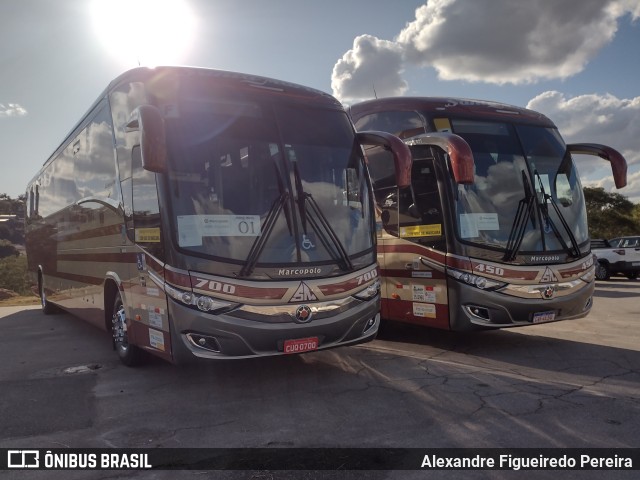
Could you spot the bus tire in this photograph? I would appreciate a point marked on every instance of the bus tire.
(130, 355)
(602, 271)
(48, 308)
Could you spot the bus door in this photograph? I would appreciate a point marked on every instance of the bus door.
(146, 301)
(411, 247)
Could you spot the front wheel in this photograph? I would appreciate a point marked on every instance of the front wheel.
(130, 355)
(602, 271)
(632, 275)
(48, 308)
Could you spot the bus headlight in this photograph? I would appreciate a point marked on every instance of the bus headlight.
(589, 276)
(477, 281)
(369, 292)
(202, 302)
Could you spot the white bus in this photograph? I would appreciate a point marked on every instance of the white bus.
(202, 213)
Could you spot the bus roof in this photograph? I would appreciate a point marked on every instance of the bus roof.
(456, 106)
(224, 77)
(248, 81)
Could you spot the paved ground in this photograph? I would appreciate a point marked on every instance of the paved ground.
(567, 384)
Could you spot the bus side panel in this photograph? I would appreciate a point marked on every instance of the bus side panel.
(147, 306)
(76, 226)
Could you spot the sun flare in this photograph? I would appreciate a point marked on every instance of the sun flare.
(144, 32)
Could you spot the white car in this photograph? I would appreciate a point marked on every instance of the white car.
(618, 255)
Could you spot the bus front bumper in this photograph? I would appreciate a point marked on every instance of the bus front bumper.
(251, 333)
(472, 308)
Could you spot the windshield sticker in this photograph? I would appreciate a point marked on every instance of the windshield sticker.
(472, 223)
(193, 228)
(468, 226)
(421, 230)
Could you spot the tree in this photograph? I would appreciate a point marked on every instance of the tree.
(610, 214)
(7, 249)
(13, 229)
(11, 206)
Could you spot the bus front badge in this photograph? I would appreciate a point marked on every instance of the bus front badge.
(303, 314)
(549, 292)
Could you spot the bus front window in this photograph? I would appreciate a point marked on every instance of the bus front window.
(526, 187)
(269, 184)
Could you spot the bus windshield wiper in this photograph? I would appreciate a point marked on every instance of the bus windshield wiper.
(575, 249)
(267, 228)
(523, 214)
(303, 198)
(322, 220)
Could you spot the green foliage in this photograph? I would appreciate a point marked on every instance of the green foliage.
(7, 249)
(13, 229)
(13, 275)
(11, 206)
(610, 214)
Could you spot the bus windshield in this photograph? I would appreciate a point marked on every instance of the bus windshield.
(263, 184)
(526, 197)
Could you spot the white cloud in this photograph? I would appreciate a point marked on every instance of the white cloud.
(372, 64)
(489, 41)
(12, 110)
(509, 42)
(598, 119)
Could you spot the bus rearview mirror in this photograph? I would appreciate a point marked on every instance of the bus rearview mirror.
(459, 151)
(618, 162)
(148, 120)
(401, 153)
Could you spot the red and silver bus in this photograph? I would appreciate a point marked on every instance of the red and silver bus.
(492, 231)
(202, 213)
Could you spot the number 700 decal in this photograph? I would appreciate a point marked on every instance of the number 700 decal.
(370, 275)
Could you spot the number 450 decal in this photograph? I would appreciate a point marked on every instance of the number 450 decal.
(490, 269)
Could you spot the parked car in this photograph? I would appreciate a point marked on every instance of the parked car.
(618, 255)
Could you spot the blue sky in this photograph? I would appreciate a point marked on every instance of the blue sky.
(577, 61)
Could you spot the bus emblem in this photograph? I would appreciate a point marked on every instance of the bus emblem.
(548, 292)
(303, 314)
(303, 294)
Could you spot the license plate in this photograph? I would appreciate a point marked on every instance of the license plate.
(542, 317)
(300, 345)
(635, 264)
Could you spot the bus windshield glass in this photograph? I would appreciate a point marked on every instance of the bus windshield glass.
(527, 196)
(268, 183)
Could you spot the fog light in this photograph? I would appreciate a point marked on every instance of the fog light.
(589, 303)
(204, 341)
(478, 312)
(371, 323)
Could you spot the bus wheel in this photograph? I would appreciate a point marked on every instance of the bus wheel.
(602, 271)
(48, 308)
(130, 355)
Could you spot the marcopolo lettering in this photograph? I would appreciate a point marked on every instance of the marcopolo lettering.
(544, 258)
(299, 271)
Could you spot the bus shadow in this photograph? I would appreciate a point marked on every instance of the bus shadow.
(514, 347)
(335, 395)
